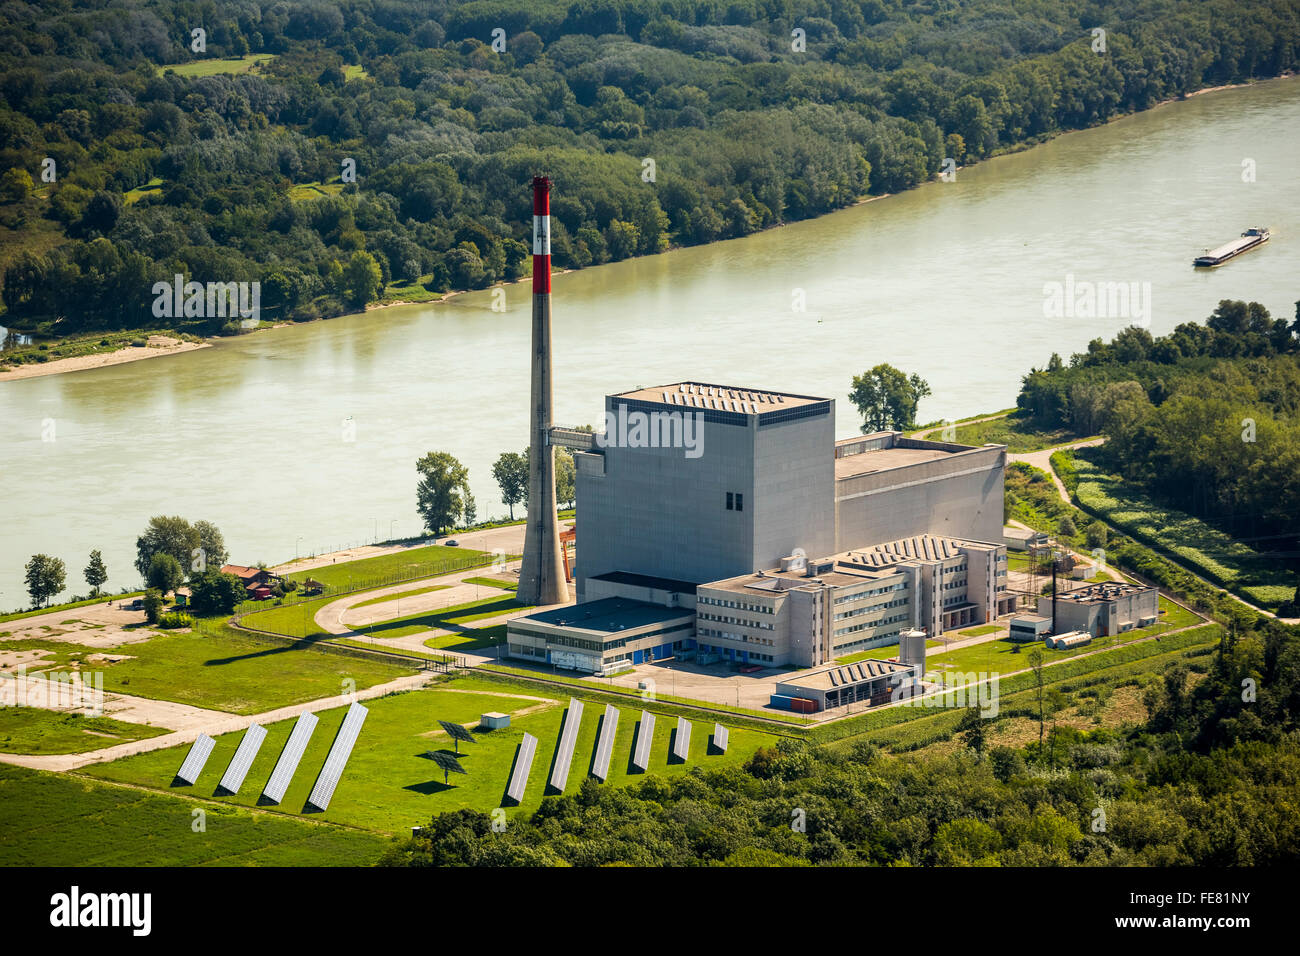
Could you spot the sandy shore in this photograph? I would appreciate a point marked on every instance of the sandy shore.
(159, 345)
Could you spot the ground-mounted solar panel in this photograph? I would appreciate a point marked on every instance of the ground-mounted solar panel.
(287, 765)
(682, 742)
(196, 758)
(605, 743)
(235, 773)
(457, 733)
(641, 752)
(340, 751)
(447, 763)
(568, 740)
(523, 767)
(720, 738)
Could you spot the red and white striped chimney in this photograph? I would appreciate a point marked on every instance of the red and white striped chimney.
(541, 235)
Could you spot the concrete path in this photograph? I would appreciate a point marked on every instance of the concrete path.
(509, 538)
(1043, 459)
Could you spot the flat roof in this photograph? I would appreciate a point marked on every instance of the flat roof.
(646, 581)
(844, 675)
(883, 459)
(608, 615)
(1102, 592)
(726, 398)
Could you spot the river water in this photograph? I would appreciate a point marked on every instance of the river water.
(304, 439)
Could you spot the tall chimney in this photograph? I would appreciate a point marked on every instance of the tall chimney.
(541, 577)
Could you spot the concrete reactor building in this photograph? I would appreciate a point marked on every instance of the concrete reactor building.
(734, 509)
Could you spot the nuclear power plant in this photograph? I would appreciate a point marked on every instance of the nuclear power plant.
(726, 525)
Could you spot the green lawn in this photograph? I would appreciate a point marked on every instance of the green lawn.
(31, 730)
(879, 653)
(226, 671)
(388, 786)
(459, 614)
(53, 819)
(139, 192)
(1001, 657)
(501, 583)
(472, 639)
(980, 630)
(1019, 434)
(314, 190)
(211, 67)
(404, 594)
(291, 620)
(409, 564)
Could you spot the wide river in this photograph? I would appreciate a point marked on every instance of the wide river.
(947, 280)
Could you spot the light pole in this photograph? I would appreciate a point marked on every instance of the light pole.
(390, 529)
(295, 547)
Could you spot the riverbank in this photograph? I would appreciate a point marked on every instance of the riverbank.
(156, 346)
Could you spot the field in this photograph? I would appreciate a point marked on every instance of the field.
(1001, 657)
(389, 786)
(301, 191)
(251, 63)
(406, 594)
(52, 819)
(396, 566)
(1019, 434)
(449, 617)
(226, 671)
(139, 192)
(31, 730)
(1201, 547)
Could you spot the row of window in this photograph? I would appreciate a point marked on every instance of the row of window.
(738, 605)
(872, 608)
(858, 595)
(722, 619)
(881, 623)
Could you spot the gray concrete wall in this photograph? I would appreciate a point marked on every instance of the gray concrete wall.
(794, 490)
(960, 496)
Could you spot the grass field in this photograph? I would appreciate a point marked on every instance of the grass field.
(405, 594)
(139, 192)
(52, 819)
(211, 67)
(880, 653)
(1201, 547)
(241, 675)
(389, 786)
(316, 190)
(1000, 656)
(486, 582)
(411, 563)
(457, 615)
(31, 730)
(980, 631)
(1019, 434)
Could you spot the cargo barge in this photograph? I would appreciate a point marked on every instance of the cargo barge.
(1255, 236)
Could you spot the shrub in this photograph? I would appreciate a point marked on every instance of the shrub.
(175, 619)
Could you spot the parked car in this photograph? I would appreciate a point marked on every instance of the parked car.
(452, 543)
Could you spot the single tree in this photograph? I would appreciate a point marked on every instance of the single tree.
(212, 549)
(887, 399)
(566, 478)
(212, 592)
(469, 509)
(166, 535)
(153, 605)
(971, 729)
(45, 578)
(439, 496)
(165, 573)
(511, 474)
(96, 574)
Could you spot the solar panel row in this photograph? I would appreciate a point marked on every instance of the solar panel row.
(682, 742)
(641, 753)
(235, 773)
(605, 743)
(340, 751)
(720, 738)
(568, 740)
(287, 765)
(523, 767)
(196, 758)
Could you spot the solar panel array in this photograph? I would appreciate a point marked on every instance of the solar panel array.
(682, 742)
(568, 740)
(605, 743)
(523, 767)
(196, 758)
(340, 751)
(287, 765)
(641, 753)
(457, 733)
(720, 738)
(234, 776)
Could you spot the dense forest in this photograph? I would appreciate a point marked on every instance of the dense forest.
(1209, 779)
(1206, 418)
(134, 148)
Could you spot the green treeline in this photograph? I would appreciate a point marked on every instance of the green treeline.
(1208, 779)
(1206, 418)
(662, 121)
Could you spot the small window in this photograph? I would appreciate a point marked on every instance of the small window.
(730, 501)
(740, 501)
